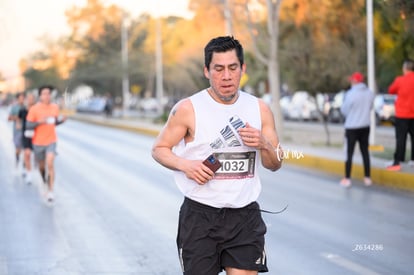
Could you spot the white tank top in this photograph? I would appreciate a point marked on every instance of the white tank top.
(236, 183)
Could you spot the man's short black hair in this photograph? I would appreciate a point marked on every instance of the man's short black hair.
(222, 44)
(20, 94)
(409, 65)
(44, 87)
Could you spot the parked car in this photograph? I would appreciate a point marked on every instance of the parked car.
(284, 103)
(334, 113)
(324, 103)
(303, 107)
(92, 105)
(384, 105)
(149, 105)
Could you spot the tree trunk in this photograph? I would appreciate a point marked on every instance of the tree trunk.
(273, 63)
(271, 58)
(274, 86)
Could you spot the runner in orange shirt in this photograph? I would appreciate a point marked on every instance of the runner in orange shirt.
(43, 118)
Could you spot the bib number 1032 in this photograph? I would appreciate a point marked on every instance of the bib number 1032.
(236, 165)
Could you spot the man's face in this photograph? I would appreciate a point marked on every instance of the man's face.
(30, 99)
(224, 75)
(45, 96)
(20, 99)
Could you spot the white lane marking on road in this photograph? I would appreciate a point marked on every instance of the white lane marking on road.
(3, 266)
(348, 264)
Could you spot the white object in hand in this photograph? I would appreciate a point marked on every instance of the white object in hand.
(50, 120)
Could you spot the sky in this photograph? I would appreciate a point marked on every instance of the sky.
(23, 22)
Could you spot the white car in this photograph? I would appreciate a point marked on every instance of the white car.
(384, 105)
(284, 103)
(302, 106)
(149, 105)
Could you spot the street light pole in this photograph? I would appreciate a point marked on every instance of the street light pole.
(371, 64)
(227, 16)
(158, 65)
(125, 75)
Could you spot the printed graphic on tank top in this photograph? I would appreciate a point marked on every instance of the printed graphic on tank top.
(235, 165)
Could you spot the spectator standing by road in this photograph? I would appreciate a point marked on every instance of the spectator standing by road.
(109, 105)
(43, 118)
(403, 87)
(17, 125)
(27, 137)
(356, 109)
(220, 223)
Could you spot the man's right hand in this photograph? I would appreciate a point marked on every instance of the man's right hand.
(197, 171)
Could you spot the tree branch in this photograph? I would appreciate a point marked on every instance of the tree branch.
(256, 50)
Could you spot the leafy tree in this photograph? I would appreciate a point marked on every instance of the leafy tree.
(48, 66)
(394, 34)
(315, 51)
(37, 77)
(100, 66)
(320, 49)
(96, 41)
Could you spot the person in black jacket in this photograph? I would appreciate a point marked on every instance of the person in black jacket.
(27, 137)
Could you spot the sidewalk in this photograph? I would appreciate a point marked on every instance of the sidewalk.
(297, 151)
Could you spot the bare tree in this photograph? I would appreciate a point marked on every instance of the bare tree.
(270, 58)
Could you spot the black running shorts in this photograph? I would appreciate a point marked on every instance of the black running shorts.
(27, 143)
(210, 239)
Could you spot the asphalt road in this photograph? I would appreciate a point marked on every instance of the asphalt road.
(116, 213)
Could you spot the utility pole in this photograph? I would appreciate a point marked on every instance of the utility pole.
(227, 17)
(371, 65)
(158, 65)
(125, 74)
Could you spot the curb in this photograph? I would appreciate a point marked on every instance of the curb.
(400, 180)
(135, 129)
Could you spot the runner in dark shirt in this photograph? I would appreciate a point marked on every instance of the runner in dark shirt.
(27, 137)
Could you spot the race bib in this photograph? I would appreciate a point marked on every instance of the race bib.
(51, 120)
(29, 133)
(236, 165)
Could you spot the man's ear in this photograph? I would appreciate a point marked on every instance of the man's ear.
(206, 73)
(244, 68)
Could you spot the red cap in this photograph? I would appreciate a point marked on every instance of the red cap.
(356, 77)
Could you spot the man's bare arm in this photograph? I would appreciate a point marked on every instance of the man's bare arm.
(180, 125)
(175, 129)
(271, 158)
(265, 140)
